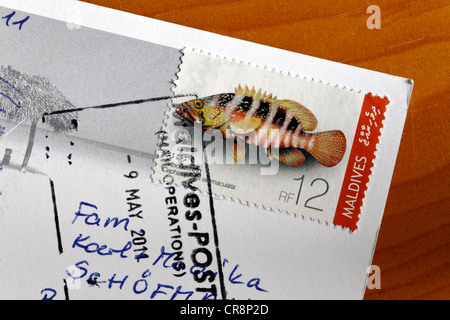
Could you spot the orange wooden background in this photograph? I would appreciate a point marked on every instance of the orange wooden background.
(413, 249)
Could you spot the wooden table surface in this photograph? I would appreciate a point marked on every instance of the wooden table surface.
(413, 248)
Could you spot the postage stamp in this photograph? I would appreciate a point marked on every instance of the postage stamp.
(270, 139)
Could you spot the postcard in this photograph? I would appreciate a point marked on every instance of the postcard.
(146, 160)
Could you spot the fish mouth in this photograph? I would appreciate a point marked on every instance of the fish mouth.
(182, 110)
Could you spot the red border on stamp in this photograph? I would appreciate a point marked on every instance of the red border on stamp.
(360, 162)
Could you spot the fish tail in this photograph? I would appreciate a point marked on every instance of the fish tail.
(328, 147)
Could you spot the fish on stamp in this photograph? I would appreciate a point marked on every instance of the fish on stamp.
(265, 121)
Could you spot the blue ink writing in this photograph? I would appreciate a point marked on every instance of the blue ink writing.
(8, 17)
(92, 219)
(18, 22)
(102, 250)
(52, 293)
(78, 265)
(154, 290)
(160, 291)
(145, 275)
(113, 281)
(93, 280)
(252, 283)
(17, 104)
(12, 101)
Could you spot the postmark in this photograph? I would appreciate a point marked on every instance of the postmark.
(273, 140)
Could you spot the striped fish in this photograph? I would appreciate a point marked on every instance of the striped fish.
(253, 117)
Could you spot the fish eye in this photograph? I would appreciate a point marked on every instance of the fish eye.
(198, 104)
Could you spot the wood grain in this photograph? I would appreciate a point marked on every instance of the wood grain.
(413, 249)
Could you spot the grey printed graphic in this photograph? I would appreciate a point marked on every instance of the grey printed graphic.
(117, 87)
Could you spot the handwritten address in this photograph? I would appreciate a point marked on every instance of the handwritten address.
(84, 270)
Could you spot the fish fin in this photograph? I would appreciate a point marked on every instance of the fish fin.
(329, 147)
(291, 157)
(303, 114)
(237, 150)
(223, 128)
(269, 153)
(245, 126)
(255, 94)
